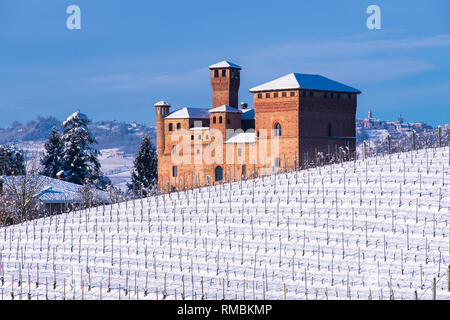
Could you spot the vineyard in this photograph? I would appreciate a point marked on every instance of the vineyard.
(374, 228)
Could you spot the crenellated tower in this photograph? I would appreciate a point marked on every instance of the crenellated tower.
(225, 81)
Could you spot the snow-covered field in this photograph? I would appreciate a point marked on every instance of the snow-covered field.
(374, 229)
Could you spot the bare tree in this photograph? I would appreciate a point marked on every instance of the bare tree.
(19, 201)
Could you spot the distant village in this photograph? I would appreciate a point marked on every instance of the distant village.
(371, 128)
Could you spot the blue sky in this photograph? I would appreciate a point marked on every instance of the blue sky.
(130, 54)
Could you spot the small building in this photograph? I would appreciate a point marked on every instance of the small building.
(55, 195)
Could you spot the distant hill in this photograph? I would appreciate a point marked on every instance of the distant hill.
(109, 134)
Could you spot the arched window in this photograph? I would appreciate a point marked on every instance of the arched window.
(218, 173)
(170, 126)
(220, 119)
(178, 126)
(329, 130)
(277, 128)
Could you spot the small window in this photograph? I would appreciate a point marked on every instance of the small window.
(216, 73)
(170, 126)
(311, 94)
(257, 133)
(220, 119)
(174, 149)
(277, 128)
(292, 94)
(198, 151)
(162, 111)
(283, 94)
(277, 162)
(178, 126)
(329, 130)
(206, 137)
(214, 119)
(244, 169)
(304, 93)
(192, 137)
(240, 152)
(338, 96)
(259, 95)
(325, 94)
(349, 97)
(199, 137)
(228, 121)
(174, 171)
(275, 94)
(224, 73)
(267, 95)
(331, 95)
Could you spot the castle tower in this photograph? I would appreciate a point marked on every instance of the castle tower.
(225, 81)
(162, 110)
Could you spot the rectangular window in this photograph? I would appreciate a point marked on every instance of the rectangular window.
(331, 95)
(267, 95)
(283, 94)
(240, 152)
(244, 170)
(349, 97)
(311, 94)
(224, 73)
(216, 73)
(170, 126)
(338, 96)
(259, 95)
(304, 93)
(175, 171)
(292, 94)
(275, 94)
(325, 94)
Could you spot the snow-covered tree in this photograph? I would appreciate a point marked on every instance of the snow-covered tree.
(12, 161)
(52, 162)
(80, 162)
(145, 174)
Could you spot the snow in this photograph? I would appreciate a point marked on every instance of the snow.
(74, 116)
(304, 81)
(56, 191)
(368, 228)
(184, 113)
(224, 64)
(162, 103)
(242, 137)
(225, 108)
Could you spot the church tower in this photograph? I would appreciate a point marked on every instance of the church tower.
(225, 81)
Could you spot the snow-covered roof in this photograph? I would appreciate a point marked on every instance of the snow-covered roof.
(248, 114)
(185, 113)
(199, 128)
(242, 137)
(225, 108)
(224, 64)
(162, 103)
(304, 81)
(54, 190)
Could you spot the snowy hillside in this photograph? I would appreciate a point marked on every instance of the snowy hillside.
(374, 229)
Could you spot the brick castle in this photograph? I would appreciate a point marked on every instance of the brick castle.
(295, 118)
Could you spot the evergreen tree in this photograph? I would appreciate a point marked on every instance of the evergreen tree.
(54, 151)
(12, 161)
(145, 173)
(80, 163)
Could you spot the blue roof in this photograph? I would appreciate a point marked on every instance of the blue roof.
(248, 114)
(304, 81)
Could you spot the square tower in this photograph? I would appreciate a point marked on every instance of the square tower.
(225, 81)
